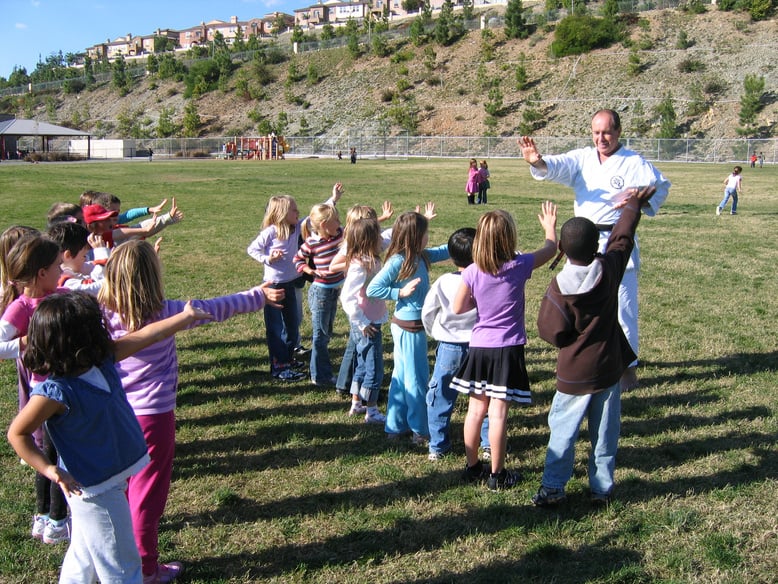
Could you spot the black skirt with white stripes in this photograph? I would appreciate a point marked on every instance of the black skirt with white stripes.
(496, 373)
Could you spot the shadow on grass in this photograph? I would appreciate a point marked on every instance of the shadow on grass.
(408, 536)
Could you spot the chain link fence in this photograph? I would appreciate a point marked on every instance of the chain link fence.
(406, 146)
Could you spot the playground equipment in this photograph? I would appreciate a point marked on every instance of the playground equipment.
(270, 147)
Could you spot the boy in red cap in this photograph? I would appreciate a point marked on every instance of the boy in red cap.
(101, 221)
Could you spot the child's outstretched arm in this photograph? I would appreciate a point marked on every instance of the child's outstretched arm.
(38, 410)
(156, 331)
(386, 211)
(547, 218)
(158, 208)
(429, 210)
(337, 193)
(158, 223)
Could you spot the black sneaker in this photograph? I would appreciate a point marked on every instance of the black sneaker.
(547, 497)
(288, 375)
(601, 499)
(301, 351)
(295, 364)
(476, 473)
(505, 479)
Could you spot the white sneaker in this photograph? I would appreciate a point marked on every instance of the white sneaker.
(718, 210)
(357, 409)
(375, 417)
(56, 531)
(39, 523)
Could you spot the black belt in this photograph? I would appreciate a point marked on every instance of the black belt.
(604, 226)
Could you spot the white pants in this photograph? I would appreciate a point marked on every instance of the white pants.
(102, 546)
(628, 308)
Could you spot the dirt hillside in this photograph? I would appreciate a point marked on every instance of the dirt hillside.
(439, 90)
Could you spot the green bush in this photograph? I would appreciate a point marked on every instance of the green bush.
(691, 66)
(575, 35)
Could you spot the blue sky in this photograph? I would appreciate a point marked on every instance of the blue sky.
(33, 28)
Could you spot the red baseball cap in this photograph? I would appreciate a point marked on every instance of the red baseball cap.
(94, 213)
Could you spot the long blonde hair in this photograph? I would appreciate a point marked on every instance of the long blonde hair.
(320, 213)
(495, 241)
(407, 240)
(359, 212)
(133, 284)
(277, 209)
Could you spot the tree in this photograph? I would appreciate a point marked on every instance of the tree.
(521, 76)
(152, 64)
(327, 32)
(610, 9)
(667, 117)
(750, 103)
(120, 79)
(494, 101)
(467, 10)
(640, 125)
(163, 44)
(18, 77)
(298, 35)
(516, 26)
(166, 127)
(416, 32)
(191, 120)
(448, 28)
(89, 73)
(238, 44)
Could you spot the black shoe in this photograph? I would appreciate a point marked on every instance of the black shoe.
(295, 364)
(301, 351)
(288, 375)
(476, 473)
(505, 479)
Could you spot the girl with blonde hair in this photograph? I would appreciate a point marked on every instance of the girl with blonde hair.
(494, 373)
(275, 248)
(323, 236)
(132, 297)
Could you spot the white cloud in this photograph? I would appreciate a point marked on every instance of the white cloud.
(35, 3)
(20, 26)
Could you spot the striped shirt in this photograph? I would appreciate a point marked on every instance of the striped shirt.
(150, 376)
(321, 252)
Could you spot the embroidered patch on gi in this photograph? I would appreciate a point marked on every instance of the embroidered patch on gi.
(617, 182)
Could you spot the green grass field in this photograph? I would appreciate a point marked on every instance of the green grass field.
(275, 483)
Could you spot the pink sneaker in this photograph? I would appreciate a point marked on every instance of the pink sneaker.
(165, 573)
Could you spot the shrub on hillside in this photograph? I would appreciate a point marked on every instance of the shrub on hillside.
(575, 35)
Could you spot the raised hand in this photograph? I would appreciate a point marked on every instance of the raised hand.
(158, 208)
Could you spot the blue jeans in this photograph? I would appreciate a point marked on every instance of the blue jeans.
(282, 327)
(441, 398)
(727, 194)
(347, 365)
(323, 303)
(369, 372)
(603, 411)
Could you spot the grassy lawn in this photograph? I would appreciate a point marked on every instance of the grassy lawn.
(275, 483)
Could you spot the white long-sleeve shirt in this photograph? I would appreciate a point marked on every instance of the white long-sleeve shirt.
(439, 319)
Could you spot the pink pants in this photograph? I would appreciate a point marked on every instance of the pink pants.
(148, 490)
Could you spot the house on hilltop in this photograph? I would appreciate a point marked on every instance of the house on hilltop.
(337, 12)
(259, 27)
(331, 12)
(128, 45)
